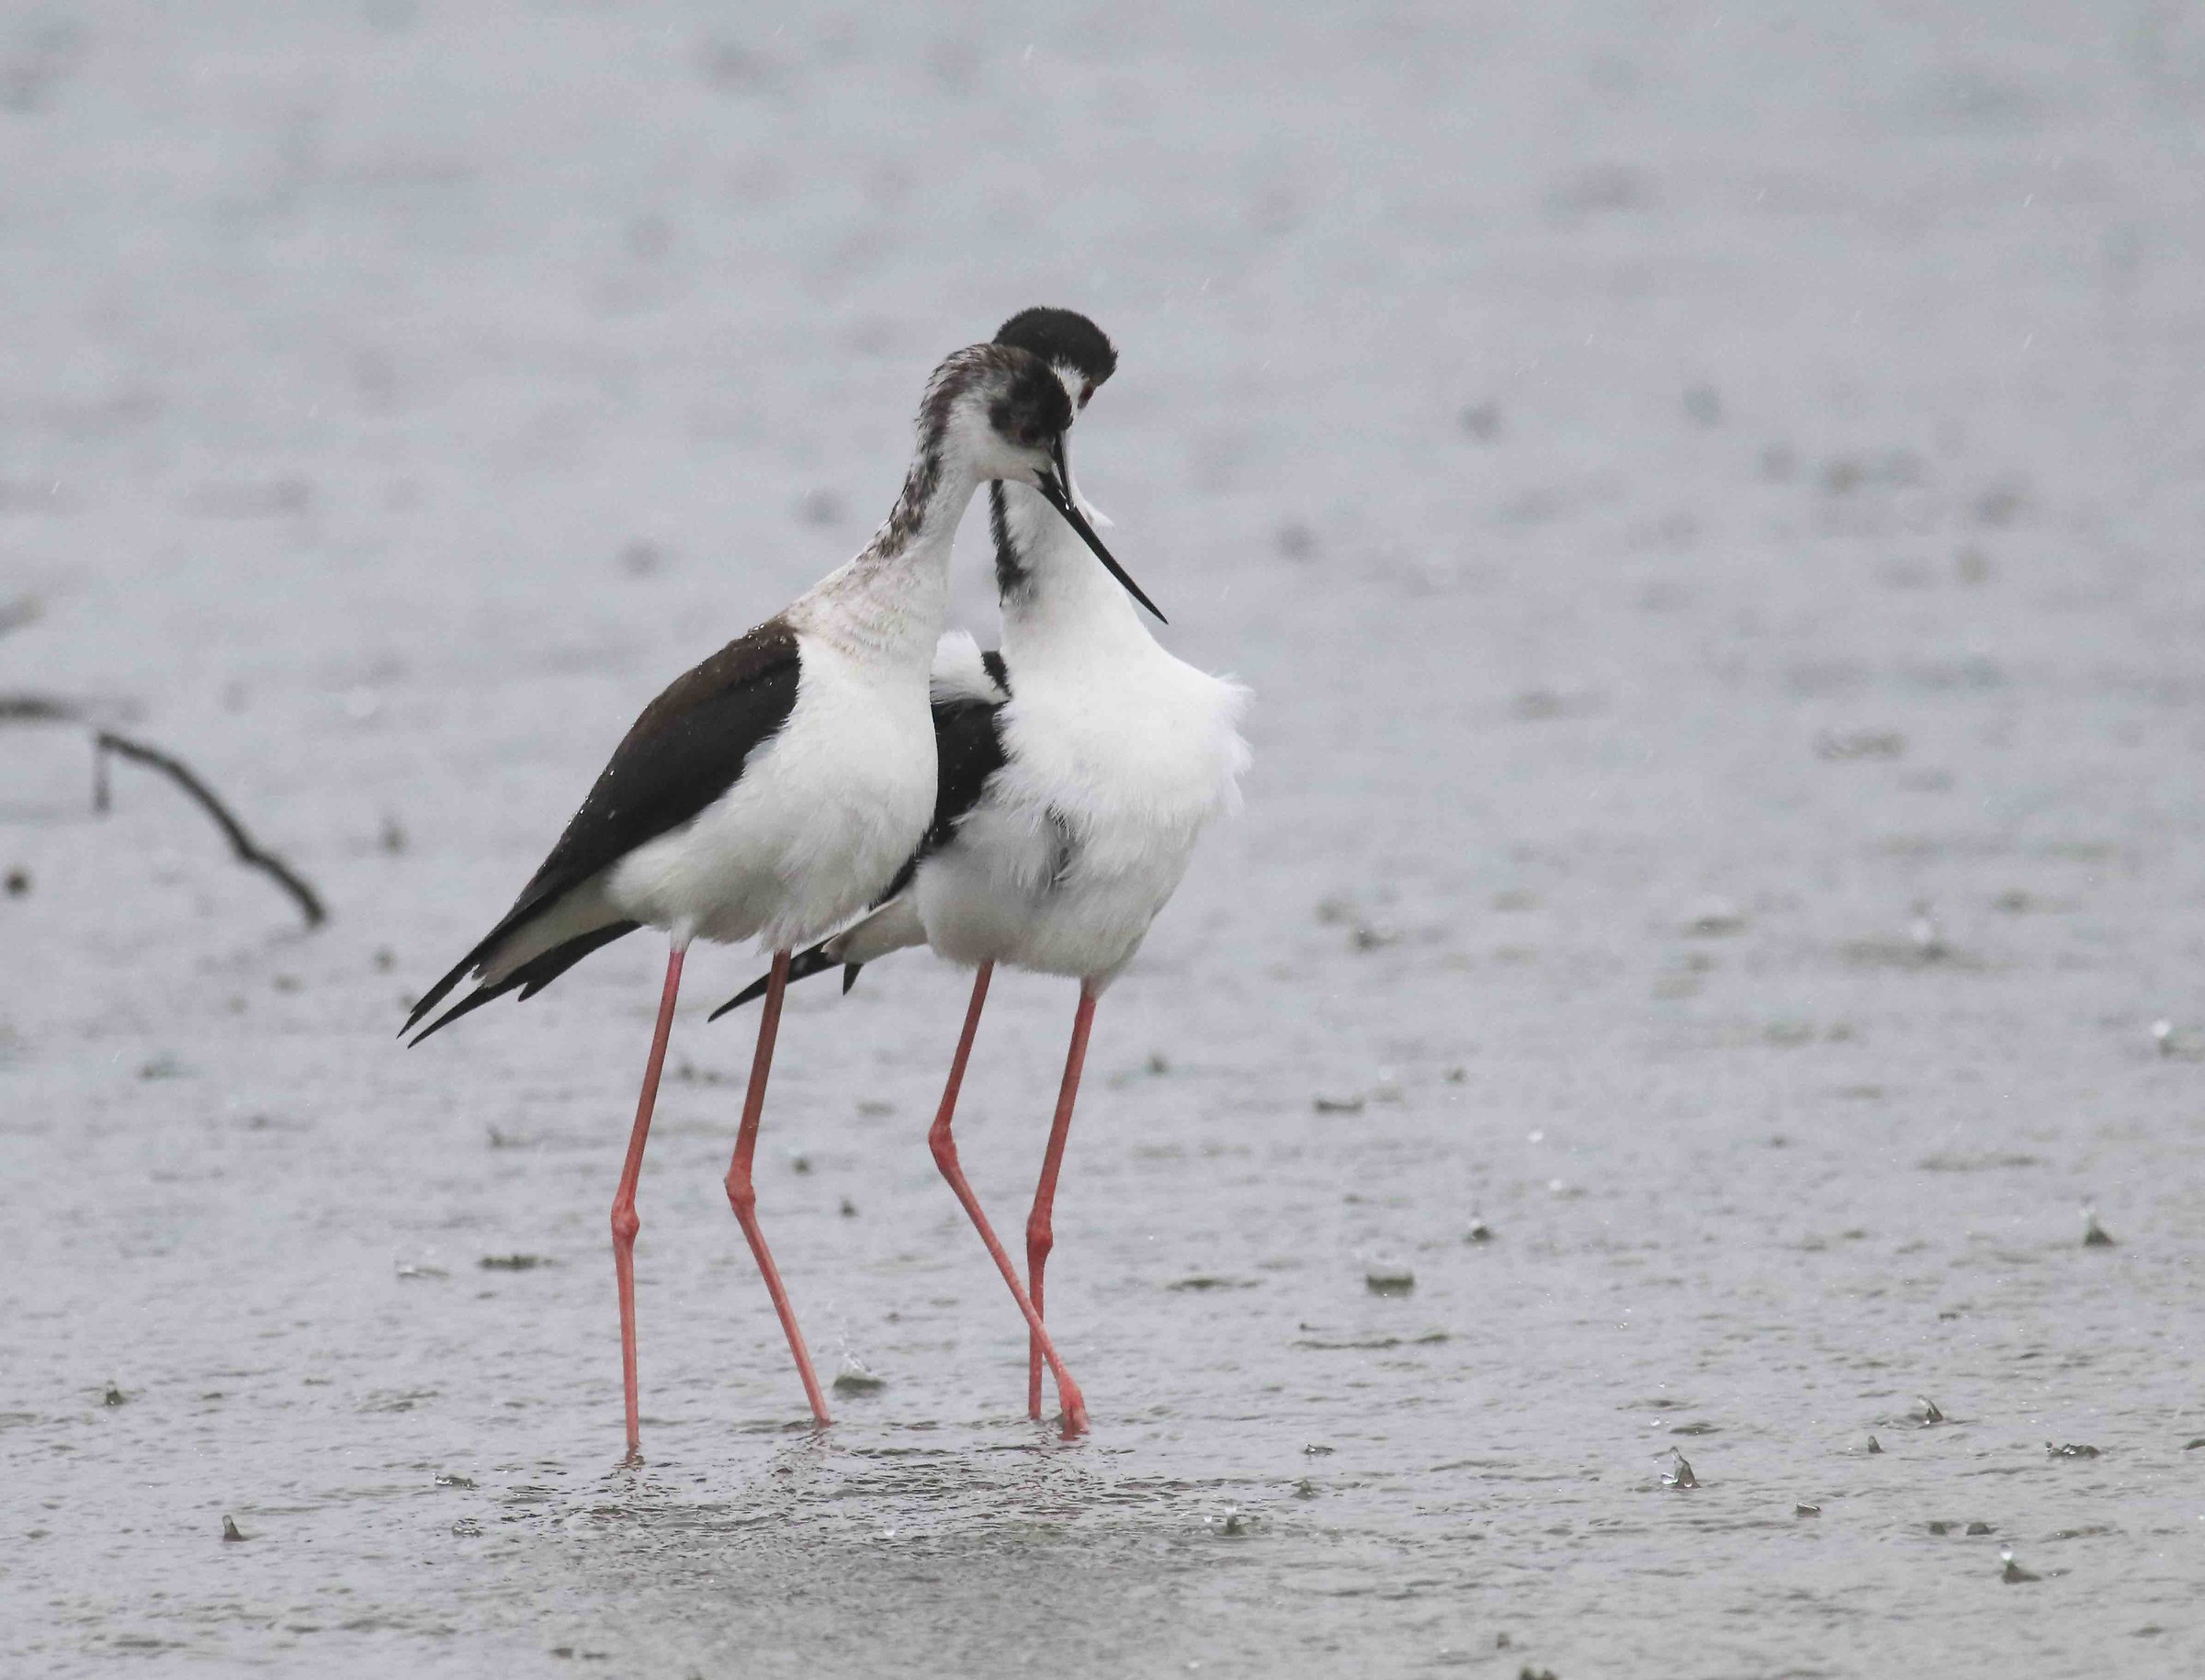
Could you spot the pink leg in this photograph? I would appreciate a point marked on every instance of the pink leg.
(624, 1221)
(1040, 1236)
(744, 1200)
(946, 1156)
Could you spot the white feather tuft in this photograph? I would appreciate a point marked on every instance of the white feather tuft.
(959, 673)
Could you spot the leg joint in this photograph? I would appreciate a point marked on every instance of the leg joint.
(943, 1144)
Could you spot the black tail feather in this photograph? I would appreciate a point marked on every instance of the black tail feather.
(436, 993)
(528, 979)
(849, 977)
(801, 966)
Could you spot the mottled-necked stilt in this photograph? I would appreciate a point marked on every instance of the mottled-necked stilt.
(775, 791)
(1079, 765)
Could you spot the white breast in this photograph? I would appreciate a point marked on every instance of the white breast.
(817, 826)
(1113, 768)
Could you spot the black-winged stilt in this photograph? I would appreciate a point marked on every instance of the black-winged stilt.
(775, 791)
(1079, 765)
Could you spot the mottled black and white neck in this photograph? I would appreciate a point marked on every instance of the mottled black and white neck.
(988, 410)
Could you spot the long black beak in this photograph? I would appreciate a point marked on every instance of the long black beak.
(1052, 485)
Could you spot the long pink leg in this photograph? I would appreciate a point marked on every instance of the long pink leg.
(744, 1198)
(945, 1146)
(1040, 1235)
(624, 1221)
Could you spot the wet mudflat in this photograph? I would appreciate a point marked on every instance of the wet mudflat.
(1710, 512)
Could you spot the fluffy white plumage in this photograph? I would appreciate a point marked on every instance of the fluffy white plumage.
(1116, 756)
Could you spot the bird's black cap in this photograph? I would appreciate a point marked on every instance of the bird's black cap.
(1063, 338)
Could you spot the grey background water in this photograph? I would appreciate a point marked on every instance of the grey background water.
(1709, 502)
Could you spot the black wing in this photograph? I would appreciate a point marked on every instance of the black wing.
(686, 750)
(968, 748)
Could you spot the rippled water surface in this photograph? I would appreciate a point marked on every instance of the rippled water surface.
(1709, 506)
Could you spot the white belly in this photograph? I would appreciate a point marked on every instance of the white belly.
(1011, 889)
(814, 829)
(1114, 768)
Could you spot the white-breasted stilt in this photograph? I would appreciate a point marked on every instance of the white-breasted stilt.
(1079, 766)
(775, 791)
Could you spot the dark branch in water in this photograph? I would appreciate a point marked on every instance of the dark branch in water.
(248, 850)
(38, 708)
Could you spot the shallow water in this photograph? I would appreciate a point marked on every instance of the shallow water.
(1709, 510)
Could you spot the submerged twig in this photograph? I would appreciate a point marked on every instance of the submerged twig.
(248, 850)
(38, 708)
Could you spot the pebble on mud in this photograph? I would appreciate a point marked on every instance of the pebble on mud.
(231, 1531)
(512, 1262)
(2013, 1572)
(1842, 746)
(446, 1479)
(2071, 1449)
(1930, 1414)
(849, 1208)
(1482, 421)
(19, 883)
(2094, 1233)
(1388, 1278)
(114, 1396)
(1479, 1231)
(1714, 918)
(1337, 1105)
(1806, 1510)
(1682, 1476)
(1874, 1445)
